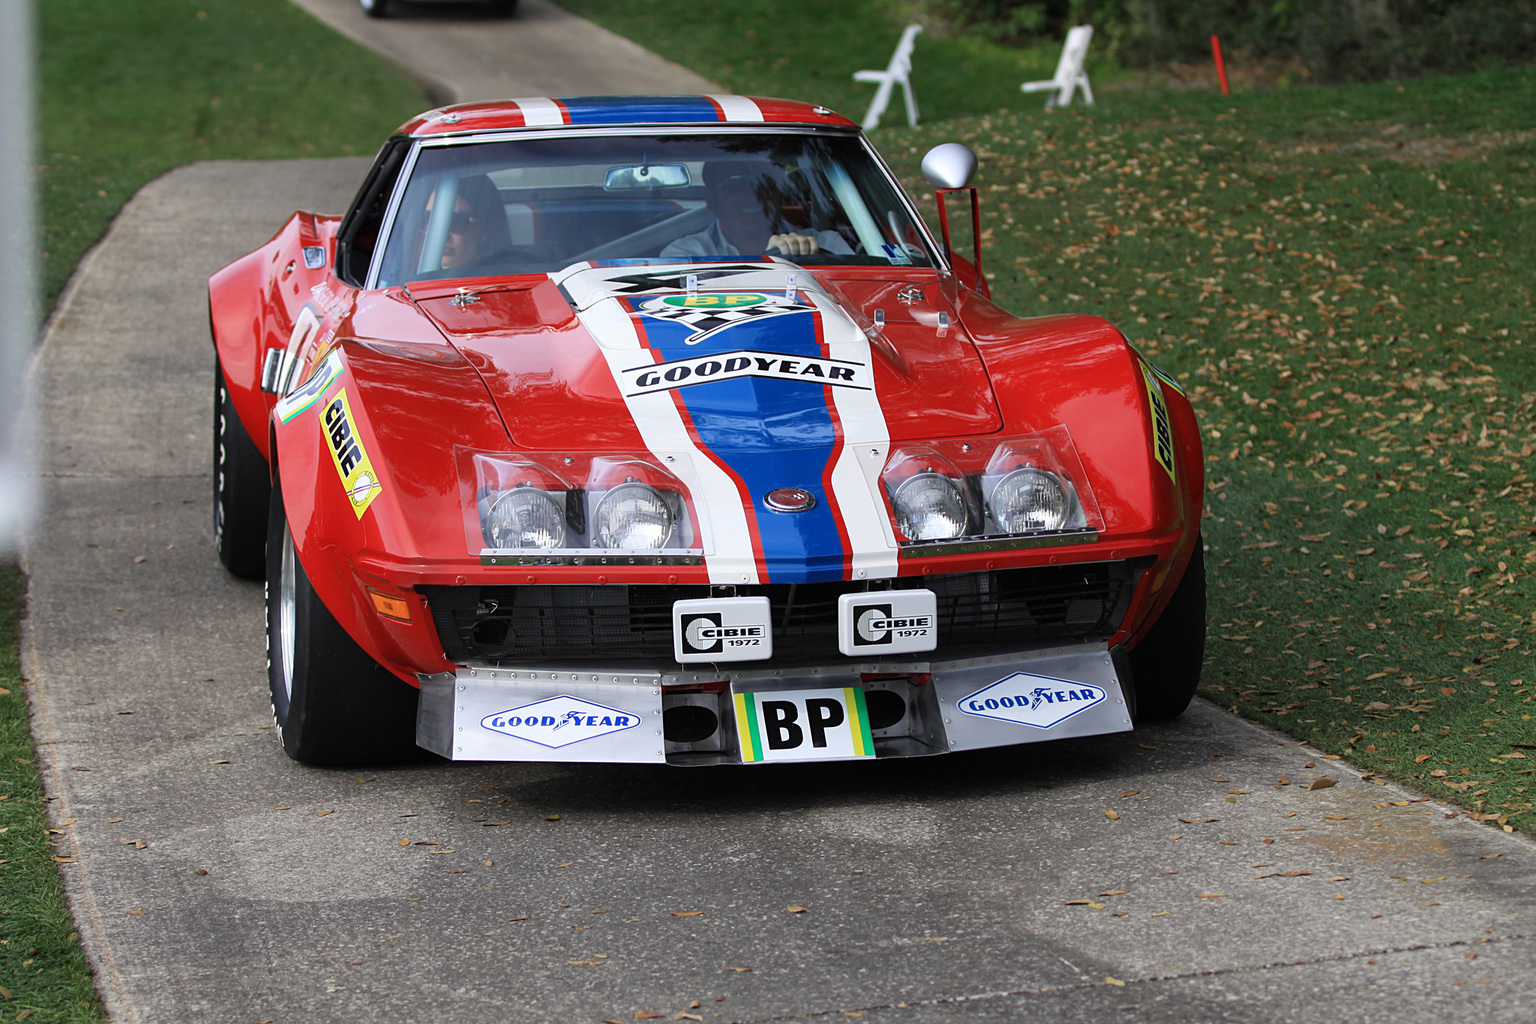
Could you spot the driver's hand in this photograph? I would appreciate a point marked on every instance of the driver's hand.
(791, 244)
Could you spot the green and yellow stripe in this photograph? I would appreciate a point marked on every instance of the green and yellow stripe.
(746, 727)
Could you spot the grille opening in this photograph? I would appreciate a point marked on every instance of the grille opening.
(1001, 609)
(688, 723)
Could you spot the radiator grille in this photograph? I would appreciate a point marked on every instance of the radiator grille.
(1002, 609)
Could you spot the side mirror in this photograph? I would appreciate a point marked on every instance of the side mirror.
(949, 165)
(949, 168)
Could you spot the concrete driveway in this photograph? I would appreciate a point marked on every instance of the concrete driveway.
(214, 880)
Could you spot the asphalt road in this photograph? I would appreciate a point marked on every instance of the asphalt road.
(214, 880)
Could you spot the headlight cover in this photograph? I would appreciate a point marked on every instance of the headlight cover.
(517, 508)
(1024, 490)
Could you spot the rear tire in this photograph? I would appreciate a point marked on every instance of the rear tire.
(1165, 666)
(376, 8)
(503, 8)
(242, 489)
(332, 704)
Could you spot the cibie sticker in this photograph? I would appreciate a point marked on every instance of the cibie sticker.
(1162, 429)
(347, 452)
(559, 721)
(683, 373)
(306, 394)
(722, 629)
(709, 313)
(1025, 699)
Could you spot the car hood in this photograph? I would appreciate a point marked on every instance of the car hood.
(759, 356)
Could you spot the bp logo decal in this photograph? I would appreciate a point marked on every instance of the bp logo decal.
(559, 721)
(709, 313)
(1038, 701)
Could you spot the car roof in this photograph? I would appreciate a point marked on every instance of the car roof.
(639, 111)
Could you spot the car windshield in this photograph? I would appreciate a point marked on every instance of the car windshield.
(537, 205)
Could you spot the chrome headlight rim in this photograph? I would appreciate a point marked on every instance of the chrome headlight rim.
(533, 498)
(604, 533)
(1061, 518)
(907, 514)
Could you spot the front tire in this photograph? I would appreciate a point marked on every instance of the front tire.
(503, 8)
(376, 8)
(1165, 666)
(332, 704)
(241, 489)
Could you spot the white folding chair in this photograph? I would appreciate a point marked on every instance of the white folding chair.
(898, 70)
(1069, 71)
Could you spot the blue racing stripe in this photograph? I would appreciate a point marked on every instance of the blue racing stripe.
(640, 109)
(771, 433)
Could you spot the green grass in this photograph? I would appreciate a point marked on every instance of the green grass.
(43, 973)
(129, 91)
(809, 49)
(1341, 278)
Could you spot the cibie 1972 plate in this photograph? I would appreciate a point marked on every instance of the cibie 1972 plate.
(803, 725)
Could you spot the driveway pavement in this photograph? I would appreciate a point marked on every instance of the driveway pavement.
(214, 880)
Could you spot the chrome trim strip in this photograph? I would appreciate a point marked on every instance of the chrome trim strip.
(924, 549)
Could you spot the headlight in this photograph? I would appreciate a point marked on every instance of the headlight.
(633, 517)
(929, 506)
(1030, 500)
(522, 518)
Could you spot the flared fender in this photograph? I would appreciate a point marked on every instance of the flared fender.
(365, 472)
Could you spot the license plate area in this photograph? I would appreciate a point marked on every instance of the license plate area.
(823, 724)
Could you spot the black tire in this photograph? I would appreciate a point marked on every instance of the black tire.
(376, 8)
(241, 489)
(1165, 666)
(332, 704)
(503, 8)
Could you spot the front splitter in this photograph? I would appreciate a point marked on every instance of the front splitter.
(507, 713)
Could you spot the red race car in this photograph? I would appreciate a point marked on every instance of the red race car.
(662, 429)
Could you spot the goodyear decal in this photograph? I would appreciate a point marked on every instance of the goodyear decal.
(352, 465)
(682, 373)
(1162, 428)
(308, 393)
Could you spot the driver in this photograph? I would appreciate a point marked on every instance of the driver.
(745, 197)
(478, 229)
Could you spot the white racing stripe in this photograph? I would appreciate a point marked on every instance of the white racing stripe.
(540, 112)
(738, 108)
(866, 443)
(727, 539)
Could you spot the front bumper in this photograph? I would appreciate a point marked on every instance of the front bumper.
(713, 716)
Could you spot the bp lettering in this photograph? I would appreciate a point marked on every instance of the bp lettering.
(782, 727)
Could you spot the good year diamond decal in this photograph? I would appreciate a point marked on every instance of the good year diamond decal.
(1026, 699)
(559, 721)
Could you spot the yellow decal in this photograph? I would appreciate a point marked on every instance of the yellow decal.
(352, 465)
(1162, 429)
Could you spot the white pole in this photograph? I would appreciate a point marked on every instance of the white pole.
(18, 293)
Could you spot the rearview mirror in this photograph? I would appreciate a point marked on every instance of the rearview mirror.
(647, 176)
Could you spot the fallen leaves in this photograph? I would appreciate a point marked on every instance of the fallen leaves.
(1112, 816)
(1322, 783)
(795, 909)
(686, 913)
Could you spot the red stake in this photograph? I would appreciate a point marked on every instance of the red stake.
(1221, 68)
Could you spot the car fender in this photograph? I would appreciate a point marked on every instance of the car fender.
(364, 430)
(1149, 487)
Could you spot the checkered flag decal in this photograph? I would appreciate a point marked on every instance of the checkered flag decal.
(707, 322)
